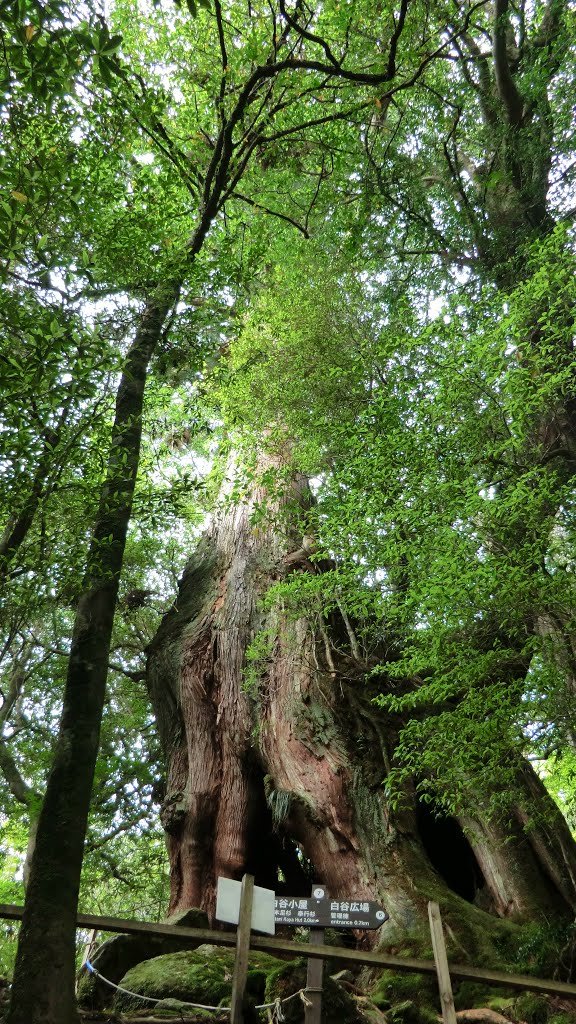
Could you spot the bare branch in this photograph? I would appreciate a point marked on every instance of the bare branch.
(272, 213)
(134, 674)
(396, 37)
(124, 826)
(17, 529)
(484, 86)
(342, 115)
(223, 56)
(305, 34)
(17, 785)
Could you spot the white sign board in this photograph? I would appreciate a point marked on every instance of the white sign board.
(228, 905)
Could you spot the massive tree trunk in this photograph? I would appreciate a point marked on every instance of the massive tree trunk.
(280, 769)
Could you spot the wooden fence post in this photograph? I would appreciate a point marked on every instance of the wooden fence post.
(313, 1010)
(441, 960)
(242, 949)
(87, 954)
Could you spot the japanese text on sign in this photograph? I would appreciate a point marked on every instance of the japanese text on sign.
(329, 913)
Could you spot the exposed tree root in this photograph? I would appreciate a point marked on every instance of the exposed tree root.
(93, 1017)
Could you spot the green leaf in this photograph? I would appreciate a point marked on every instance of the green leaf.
(112, 44)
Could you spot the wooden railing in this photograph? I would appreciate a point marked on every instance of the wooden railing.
(440, 966)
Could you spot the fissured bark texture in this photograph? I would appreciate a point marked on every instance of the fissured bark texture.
(287, 756)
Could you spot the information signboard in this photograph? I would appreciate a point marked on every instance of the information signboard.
(328, 913)
(316, 911)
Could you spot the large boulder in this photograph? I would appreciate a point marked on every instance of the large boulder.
(204, 976)
(119, 954)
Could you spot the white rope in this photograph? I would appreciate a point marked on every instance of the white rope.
(276, 1006)
(277, 1015)
(150, 999)
(277, 1002)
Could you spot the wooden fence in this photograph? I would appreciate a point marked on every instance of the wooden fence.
(244, 940)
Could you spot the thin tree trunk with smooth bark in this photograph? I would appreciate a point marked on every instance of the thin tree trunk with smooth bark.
(17, 529)
(44, 976)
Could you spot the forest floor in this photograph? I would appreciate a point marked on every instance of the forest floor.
(93, 1017)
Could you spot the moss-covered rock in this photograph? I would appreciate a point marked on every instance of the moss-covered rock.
(404, 1013)
(174, 1009)
(393, 988)
(204, 976)
(119, 954)
(192, 917)
(412, 1012)
(469, 995)
(338, 1007)
(201, 976)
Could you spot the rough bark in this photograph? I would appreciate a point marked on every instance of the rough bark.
(296, 760)
(215, 813)
(43, 992)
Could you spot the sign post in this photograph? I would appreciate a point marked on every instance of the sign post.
(242, 949)
(441, 959)
(251, 907)
(313, 1011)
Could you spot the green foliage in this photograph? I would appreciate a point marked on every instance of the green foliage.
(258, 654)
(380, 288)
(279, 802)
(560, 776)
(546, 948)
(428, 425)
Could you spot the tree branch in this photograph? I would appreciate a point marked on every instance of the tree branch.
(18, 787)
(134, 674)
(343, 115)
(484, 86)
(124, 826)
(17, 530)
(396, 37)
(272, 213)
(310, 36)
(223, 57)
(507, 91)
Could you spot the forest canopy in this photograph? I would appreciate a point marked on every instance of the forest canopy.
(297, 278)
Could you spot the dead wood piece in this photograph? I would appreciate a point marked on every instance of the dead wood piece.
(558, 1005)
(483, 1015)
(365, 1003)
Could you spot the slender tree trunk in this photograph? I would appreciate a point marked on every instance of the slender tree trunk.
(15, 781)
(44, 976)
(282, 761)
